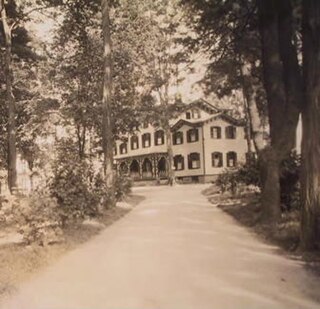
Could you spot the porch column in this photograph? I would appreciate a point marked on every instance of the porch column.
(140, 161)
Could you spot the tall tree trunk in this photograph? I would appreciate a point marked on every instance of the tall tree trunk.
(283, 114)
(107, 123)
(310, 186)
(171, 176)
(249, 92)
(12, 152)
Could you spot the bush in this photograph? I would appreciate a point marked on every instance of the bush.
(249, 175)
(79, 190)
(73, 184)
(123, 187)
(233, 178)
(40, 219)
(290, 182)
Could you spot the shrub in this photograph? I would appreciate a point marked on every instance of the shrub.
(38, 219)
(232, 178)
(123, 187)
(249, 175)
(72, 185)
(79, 190)
(290, 182)
(228, 180)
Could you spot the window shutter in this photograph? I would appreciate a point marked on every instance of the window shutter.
(197, 134)
(218, 132)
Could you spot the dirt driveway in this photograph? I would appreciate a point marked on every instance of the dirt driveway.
(175, 250)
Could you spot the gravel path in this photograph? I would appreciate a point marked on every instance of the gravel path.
(177, 251)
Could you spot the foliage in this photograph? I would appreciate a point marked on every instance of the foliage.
(73, 185)
(249, 175)
(290, 182)
(40, 222)
(123, 186)
(233, 178)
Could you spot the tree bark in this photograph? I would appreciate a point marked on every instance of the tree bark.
(171, 174)
(107, 123)
(310, 182)
(283, 114)
(249, 92)
(12, 152)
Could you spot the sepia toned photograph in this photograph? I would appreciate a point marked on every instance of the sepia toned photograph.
(159, 154)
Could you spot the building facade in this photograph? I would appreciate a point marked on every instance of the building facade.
(205, 141)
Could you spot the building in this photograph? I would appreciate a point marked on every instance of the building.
(206, 140)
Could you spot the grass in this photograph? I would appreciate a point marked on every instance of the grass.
(18, 262)
(246, 209)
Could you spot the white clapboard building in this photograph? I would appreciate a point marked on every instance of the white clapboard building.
(206, 140)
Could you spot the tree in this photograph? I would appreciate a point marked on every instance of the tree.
(107, 125)
(229, 31)
(310, 184)
(12, 151)
(281, 79)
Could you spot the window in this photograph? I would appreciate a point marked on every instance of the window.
(134, 142)
(217, 160)
(215, 132)
(188, 115)
(159, 138)
(196, 114)
(231, 159)
(123, 148)
(194, 161)
(146, 140)
(231, 132)
(192, 136)
(177, 138)
(178, 162)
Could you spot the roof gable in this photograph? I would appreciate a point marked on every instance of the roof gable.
(203, 105)
(183, 122)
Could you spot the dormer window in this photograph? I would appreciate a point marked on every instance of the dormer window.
(134, 142)
(159, 137)
(192, 135)
(188, 115)
(177, 138)
(196, 114)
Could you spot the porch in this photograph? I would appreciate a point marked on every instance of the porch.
(144, 167)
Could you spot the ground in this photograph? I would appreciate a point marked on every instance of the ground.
(174, 250)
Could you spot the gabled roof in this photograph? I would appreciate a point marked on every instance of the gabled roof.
(230, 119)
(204, 105)
(200, 122)
(182, 122)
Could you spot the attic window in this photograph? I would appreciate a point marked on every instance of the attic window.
(196, 114)
(188, 115)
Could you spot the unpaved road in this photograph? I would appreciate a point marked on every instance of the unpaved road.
(173, 251)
